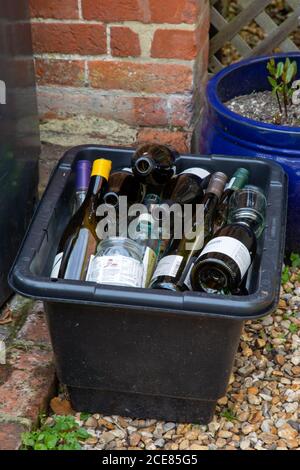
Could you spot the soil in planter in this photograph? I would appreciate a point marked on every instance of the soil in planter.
(263, 107)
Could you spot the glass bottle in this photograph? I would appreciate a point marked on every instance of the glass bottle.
(82, 227)
(226, 259)
(173, 269)
(118, 262)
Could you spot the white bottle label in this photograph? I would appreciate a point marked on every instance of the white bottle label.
(196, 171)
(129, 170)
(116, 271)
(56, 265)
(168, 266)
(230, 184)
(149, 262)
(233, 248)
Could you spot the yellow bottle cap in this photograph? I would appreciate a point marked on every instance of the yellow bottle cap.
(102, 167)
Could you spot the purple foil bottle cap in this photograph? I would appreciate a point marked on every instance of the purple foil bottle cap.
(83, 175)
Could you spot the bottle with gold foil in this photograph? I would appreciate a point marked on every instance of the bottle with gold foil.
(79, 240)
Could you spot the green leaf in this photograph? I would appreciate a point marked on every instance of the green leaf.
(279, 69)
(293, 328)
(85, 416)
(290, 73)
(82, 433)
(272, 82)
(39, 446)
(51, 440)
(295, 260)
(271, 67)
(28, 439)
(285, 277)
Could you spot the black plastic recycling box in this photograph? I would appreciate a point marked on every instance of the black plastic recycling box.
(140, 352)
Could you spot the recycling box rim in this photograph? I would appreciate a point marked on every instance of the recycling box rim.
(259, 303)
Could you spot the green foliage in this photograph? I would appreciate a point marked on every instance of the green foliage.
(285, 276)
(293, 328)
(295, 260)
(228, 414)
(63, 434)
(84, 416)
(281, 79)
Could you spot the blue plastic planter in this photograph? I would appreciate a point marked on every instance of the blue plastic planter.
(227, 133)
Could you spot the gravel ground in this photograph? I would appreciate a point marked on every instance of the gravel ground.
(260, 410)
(263, 107)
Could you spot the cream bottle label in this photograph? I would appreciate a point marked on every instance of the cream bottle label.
(115, 270)
(233, 248)
(168, 266)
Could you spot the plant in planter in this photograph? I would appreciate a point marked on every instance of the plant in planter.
(281, 78)
(243, 118)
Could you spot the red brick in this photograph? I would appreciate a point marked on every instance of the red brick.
(58, 9)
(35, 328)
(113, 10)
(149, 78)
(60, 72)
(10, 436)
(178, 139)
(174, 44)
(175, 11)
(69, 38)
(124, 42)
(154, 11)
(29, 385)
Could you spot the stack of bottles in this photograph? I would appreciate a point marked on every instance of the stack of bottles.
(219, 220)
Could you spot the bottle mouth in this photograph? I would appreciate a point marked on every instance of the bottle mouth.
(213, 280)
(144, 166)
(111, 199)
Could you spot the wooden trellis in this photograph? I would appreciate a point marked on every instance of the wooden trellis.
(276, 36)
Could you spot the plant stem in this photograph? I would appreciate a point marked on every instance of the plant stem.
(279, 104)
(285, 101)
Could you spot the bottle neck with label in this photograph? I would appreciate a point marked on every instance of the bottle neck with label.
(82, 181)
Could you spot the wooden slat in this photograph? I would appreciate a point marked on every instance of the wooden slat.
(293, 3)
(268, 25)
(278, 35)
(239, 43)
(215, 65)
(243, 18)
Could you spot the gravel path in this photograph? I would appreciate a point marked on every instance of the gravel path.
(260, 410)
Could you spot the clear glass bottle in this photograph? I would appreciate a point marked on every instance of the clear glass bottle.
(118, 262)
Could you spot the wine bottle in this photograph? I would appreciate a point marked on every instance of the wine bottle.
(172, 270)
(238, 181)
(81, 229)
(154, 164)
(187, 187)
(224, 262)
(82, 180)
(123, 183)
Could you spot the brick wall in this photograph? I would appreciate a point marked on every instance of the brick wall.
(120, 71)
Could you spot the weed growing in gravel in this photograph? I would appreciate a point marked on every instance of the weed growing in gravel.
(62, 434)
(229, 414)
(293, 328)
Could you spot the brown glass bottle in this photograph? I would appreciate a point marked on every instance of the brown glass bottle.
(123, 183)
(225, 260)
(154, 164)
(169, 272)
